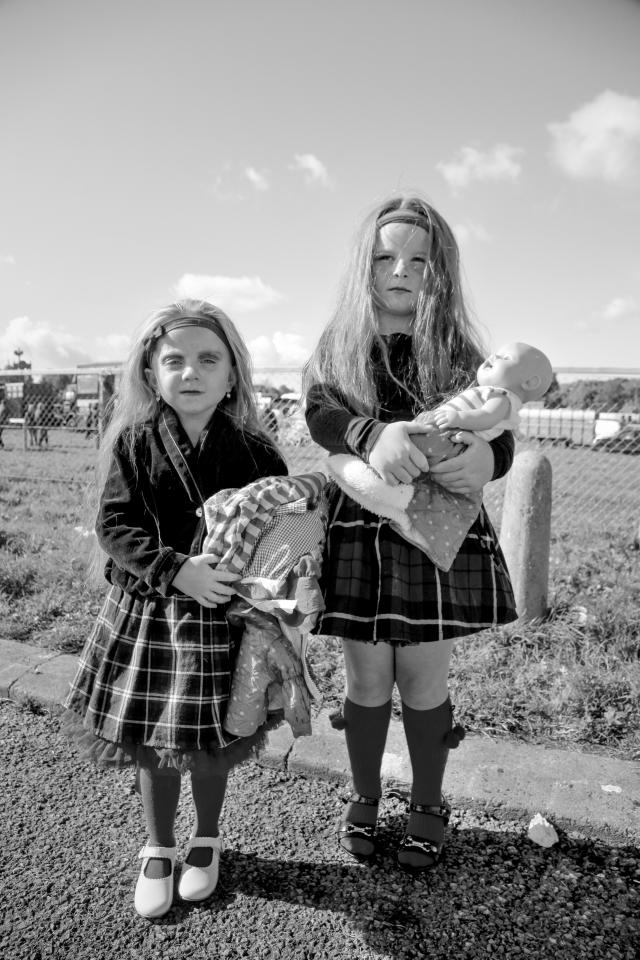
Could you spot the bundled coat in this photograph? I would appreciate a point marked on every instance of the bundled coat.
(271, 532)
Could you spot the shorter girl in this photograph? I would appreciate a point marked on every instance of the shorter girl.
(154, 678)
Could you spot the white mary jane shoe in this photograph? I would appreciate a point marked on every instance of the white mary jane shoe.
(198, 883)
(153, 898)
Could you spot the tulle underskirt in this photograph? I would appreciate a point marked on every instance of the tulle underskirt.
(206, 762)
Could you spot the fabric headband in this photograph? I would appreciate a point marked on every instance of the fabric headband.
(404, 215)
(208, 323)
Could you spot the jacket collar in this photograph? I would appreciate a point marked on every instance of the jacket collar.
(180, 451)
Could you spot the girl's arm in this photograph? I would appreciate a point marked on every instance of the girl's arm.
(503, 448)
(127, 531)
(337, 428)
(387, 447)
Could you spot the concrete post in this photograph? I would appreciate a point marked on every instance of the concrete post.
(525, 532)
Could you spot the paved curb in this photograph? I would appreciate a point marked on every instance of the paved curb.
(590, 794)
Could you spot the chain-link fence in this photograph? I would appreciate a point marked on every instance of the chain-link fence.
(50, 432)
(62, 410)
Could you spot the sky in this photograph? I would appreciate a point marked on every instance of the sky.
(229, 149)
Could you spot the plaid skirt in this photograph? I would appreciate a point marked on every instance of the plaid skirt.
(379, 587)
(152, 687)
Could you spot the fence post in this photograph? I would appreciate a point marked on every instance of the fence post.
(526, 530)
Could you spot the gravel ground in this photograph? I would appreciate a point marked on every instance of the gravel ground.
(72, 833)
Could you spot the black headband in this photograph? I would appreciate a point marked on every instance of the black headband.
(404, 215)
(210, 323)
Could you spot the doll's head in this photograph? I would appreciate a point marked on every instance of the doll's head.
(518, 367)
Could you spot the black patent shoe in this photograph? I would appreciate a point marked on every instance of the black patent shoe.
(430, 852)
(364, 834)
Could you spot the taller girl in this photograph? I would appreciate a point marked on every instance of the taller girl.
(154, 677)
(399, 341)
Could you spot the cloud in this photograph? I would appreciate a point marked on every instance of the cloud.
(51, 348)
(500, 163)
(466, 232)
(115, 346)
(600, 140)
(223, 186)
(313, 170)
(279, 350)
(7, 258)
(257, 179)
(621, 308)
(235, 294)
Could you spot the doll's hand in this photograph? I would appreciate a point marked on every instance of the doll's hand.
(445, 419)
(206, 584)
(394, 457)
(470, 470)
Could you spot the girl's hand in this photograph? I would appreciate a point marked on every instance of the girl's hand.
(470, 470)
(394, 457)
(206, 584)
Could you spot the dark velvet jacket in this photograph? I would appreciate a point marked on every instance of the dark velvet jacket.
(150, 518)
(341, 430)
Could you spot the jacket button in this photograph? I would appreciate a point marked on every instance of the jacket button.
(198, 511)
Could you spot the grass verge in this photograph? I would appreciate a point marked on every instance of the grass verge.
(572, 680)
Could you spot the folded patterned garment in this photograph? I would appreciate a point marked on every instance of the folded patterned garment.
(424, 513)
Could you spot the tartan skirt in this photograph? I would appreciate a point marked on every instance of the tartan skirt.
(152, 687)
(379, 587)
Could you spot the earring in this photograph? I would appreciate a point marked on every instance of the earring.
(228, 394)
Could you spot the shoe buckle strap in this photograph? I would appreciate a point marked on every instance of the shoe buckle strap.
(365, 801)
(367, 830)
(214, 843)
(434, 810)
(411, 843)
(157, 853)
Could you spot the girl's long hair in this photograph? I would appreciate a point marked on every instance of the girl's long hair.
(135, 401)
(447, 348)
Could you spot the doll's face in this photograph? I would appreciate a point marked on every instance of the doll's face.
(501, 369)
(517, 367)
(400, 260)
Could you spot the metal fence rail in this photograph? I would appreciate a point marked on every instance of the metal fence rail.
(594, 454)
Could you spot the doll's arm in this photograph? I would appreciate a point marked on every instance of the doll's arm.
(488, 415)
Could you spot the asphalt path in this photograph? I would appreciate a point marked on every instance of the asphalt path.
(71, 834)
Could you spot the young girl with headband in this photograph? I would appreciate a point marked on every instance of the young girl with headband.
(154, 677)
(399, 342)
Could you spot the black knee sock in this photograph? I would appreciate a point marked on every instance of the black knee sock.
(160, 794)
(426, 732)
(366, 735)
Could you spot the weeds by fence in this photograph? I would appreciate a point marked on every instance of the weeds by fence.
(575, 678)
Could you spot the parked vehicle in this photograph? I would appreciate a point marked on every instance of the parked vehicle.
(626, 440)
(570, 427)
(288, 410)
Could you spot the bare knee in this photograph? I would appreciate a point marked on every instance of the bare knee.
(369, 691)
(423, 695)
(422, 675)
(369, 685)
